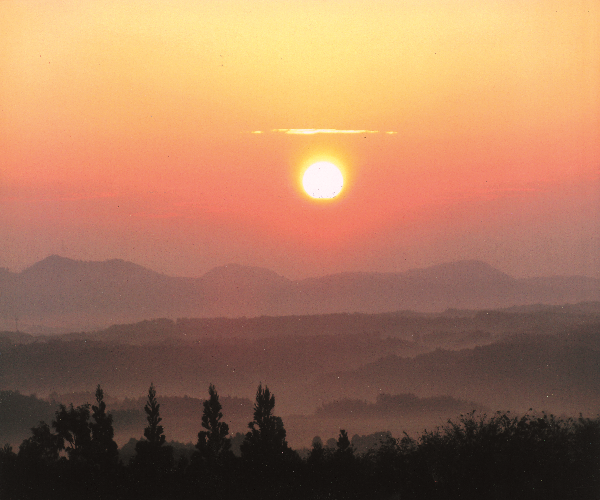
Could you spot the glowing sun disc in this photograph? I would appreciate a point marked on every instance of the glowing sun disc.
(323, 180)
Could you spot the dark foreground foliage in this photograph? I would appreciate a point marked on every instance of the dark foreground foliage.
(476, 457)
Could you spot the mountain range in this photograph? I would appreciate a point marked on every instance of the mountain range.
(61, 294)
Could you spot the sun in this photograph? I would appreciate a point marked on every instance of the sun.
(323, 180)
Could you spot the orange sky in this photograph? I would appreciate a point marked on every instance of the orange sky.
(126, 132)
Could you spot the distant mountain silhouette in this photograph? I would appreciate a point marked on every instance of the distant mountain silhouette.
(77, 295)
(542, 371)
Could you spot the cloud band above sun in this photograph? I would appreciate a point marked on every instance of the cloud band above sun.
(314, 131)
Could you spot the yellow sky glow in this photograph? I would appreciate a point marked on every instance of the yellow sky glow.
(313, 131)
(208, 112)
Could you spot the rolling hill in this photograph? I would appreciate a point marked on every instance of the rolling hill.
(60, 294)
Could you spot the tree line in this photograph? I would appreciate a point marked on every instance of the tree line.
(478, 456)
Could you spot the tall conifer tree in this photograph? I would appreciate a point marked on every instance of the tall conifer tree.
(213, 444)
(154, 432)
(266, 440)
(105, 450)
(150, 453)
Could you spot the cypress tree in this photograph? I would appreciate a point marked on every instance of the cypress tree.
(266, 440)
(151, 455)
(105, 450)
(154, 432)
(213, 445)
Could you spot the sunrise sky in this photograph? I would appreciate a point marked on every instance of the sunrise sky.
(175, 133)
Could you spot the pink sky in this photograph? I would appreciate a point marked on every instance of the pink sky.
(126, 132)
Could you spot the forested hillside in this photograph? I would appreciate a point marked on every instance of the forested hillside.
(473, 456)
(545, 358)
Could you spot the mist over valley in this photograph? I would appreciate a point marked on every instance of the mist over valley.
(371, 367)
(398, 371)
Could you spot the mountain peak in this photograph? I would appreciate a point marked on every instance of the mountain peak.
(56, 264)
(51, 262)
(58, 291)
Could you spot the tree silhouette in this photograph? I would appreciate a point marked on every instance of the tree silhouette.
(154, 432)
(151, 453)
(153, 462)
(104, 449)
(213, 445)
(72, 427)
(266, 440)
(268, 460)
(345, 469)
(317, 455)
(8, 472)
(42, 446)
(37, 463)
(501, 456)
(211, 467)
(344, 449)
